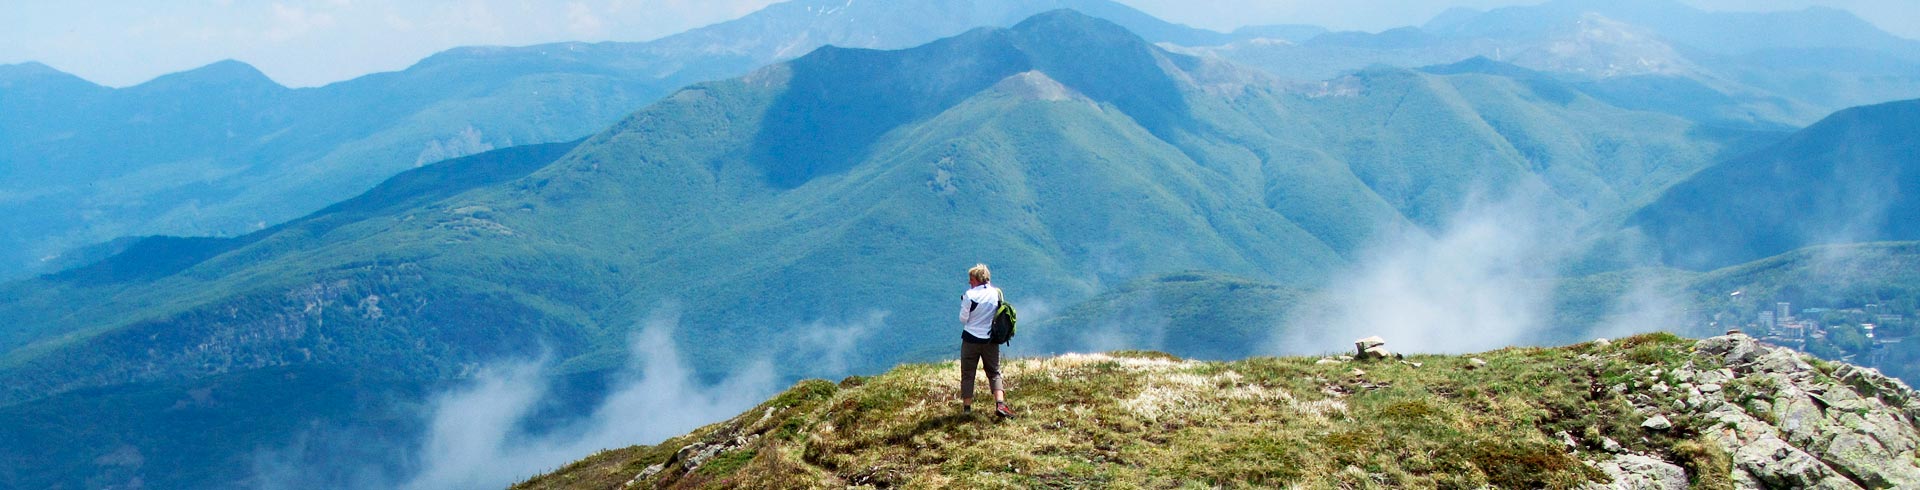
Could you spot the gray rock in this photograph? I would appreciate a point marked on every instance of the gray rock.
(1612, 446)
(1862, 457)
(1376, 352)
(1360, 346)
(1734, 349)
(1657, 422)
(1797, 416)
(1684, 376)
(1636, 472)
(1783, 361)
(705, 453)
(1476, 363)
(1804, 430)
(1716, 376)
(1777, 464)
(646, 473)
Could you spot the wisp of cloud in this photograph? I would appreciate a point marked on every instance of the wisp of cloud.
(474, 440)
(1474, 285)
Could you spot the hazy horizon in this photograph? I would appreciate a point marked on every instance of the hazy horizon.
(122, 43)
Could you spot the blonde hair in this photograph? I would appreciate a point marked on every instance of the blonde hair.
(979, 273)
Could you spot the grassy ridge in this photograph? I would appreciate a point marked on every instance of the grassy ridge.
(1142, 419)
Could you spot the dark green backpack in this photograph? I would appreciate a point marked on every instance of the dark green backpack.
(1003, 321)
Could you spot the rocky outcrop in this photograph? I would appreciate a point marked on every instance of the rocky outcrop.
(1789, 424)
(1636, 472)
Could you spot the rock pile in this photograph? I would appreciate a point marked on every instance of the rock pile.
(1372, 348)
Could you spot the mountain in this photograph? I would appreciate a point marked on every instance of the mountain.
(800, 169)
(222, 150)
(1852, 177)
(1716, 32)
(1649, 411)
(831, 193)
(1768, 71)
(1775, 52)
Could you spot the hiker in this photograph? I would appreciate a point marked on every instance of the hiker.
(977, 309)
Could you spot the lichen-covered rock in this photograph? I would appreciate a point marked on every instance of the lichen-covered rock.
(1850, 430)
(1636, 472)
(1777, 464)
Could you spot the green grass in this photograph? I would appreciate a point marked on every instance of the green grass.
(1144, 419)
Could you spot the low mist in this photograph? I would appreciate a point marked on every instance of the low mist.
(474, 440)
(479, 435)
(1484, 280)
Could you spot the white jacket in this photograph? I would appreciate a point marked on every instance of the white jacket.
(976, 310)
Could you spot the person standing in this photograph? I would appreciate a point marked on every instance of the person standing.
(977, 307)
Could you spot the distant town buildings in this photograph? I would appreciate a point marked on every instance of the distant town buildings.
(1781, 327)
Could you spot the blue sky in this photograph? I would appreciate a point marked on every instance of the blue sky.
(314, 42)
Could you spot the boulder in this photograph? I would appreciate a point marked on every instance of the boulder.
(1782, 361)
(1657, 422)
(1368, 343)
(1777, 464)
(1376, 352)
(1862, 457)
(1735, 349)
(1636, 472)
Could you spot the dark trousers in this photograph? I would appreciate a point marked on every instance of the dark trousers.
(972, 354)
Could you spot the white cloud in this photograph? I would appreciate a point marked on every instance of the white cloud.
(477, 436)
(474, 439)
(830, 347)
(1472, 286)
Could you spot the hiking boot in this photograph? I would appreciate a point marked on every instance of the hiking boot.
(966, 409)
(1003, 410)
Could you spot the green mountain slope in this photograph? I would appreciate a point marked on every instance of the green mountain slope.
(222, 150)
(1650, 411)
(1071, 172)
(849, 184)
(1852, 177)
